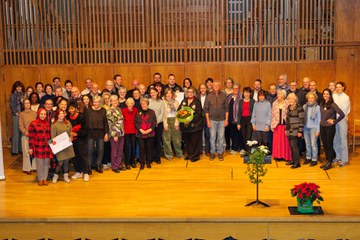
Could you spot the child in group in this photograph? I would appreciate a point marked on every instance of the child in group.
(61, 125)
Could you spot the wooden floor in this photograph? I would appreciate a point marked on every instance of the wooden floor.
(180, 191)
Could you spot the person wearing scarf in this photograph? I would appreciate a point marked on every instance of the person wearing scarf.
(39, 135)
(311, 128)
(191, 131)
(233, 99)
(171, 131)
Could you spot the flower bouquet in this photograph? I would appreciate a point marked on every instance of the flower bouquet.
(185, 114)
(306, 194)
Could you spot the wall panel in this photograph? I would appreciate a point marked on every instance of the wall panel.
(47, 73)
(199, 72)
(271, 71)
(321, 72)
(98, 74)
(131, 72)
(245, 73)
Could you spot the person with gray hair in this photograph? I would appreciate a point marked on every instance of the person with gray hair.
(294, 128)
(217, 115)
(283, 82)
(280, 146)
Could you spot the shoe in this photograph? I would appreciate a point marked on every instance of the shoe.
(41, 183)
(77, 175)
(313, 163)
(142, 166)
(133, 165)
(27, 172)
(90, 172)
(55, 178)
(233, 152)
(187, 158)
(342, 163)
(295, 166)
(66, 178)
(290, 163)
(45, 183)
(116, 170)
(212, 157)
(208, 154)
(148, 165)
(221, 157)
(307, 161)
(195, 159)
(122, 168)
(158, 161)
(327, 166)
(128, 167)
(86, 177)
(336, 160)
(99, 170)
(242, 152)
(105, 167)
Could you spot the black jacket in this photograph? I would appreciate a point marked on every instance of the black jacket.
(197, 123)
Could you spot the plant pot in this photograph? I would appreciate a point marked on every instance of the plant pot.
(306, 207)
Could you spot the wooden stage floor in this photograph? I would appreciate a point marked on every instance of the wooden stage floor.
(182, 192)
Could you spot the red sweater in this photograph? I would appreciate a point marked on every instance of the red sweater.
(129, 120)
(39, 135)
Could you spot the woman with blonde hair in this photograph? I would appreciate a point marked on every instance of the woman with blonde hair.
(311, 128)
(116, 132)
(281, 147)
(171, 133)
(97, 126)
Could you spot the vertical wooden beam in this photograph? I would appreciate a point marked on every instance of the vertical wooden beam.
(76, 39)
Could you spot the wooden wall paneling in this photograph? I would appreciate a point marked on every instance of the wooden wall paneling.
(5, 111)
(345, 20)
(98, 74)
(357, 22)
(354, 85)
(47, 73)
(321, 72)
(244, 73)
(129, 72)
(270, 71)
(199, 72)
(346, 71)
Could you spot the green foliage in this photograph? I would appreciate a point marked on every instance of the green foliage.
(256, 164)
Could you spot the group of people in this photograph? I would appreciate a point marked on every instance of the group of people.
(119, 127)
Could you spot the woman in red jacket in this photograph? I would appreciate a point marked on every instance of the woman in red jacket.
(129, 114)
(39, 135)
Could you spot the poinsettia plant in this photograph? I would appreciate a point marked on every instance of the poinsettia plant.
(307, 191)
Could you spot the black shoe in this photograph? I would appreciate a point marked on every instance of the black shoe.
(195, 159)
(133, 165)
(142, 166)
(99, 170)
(116, 170)
(295, 166)
(90, 172)
(327, 166)
(187, 158)
(307, 161)
(158, 161)
(290, 163)
(212, 156)
(128, 167)
(313, 163)
(148, 165)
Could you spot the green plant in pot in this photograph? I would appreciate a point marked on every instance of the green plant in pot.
(306, 194)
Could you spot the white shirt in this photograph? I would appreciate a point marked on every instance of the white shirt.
(202, 99)
(343, 101)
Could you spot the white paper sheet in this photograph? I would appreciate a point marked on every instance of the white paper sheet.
(62, 142)
(180, 96)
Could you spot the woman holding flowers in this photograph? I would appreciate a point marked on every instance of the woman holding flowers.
(171, 126)
(192, 130)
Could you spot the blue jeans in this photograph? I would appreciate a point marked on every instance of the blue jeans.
(16, 136)
(206, 136)
(217, 127)
(100, 151)
(340, 141)
(311, 143)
